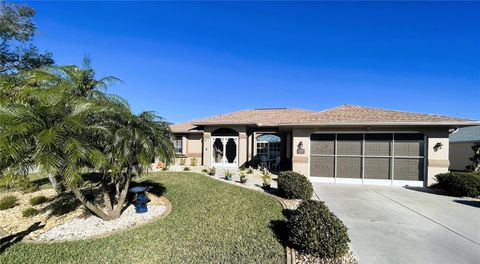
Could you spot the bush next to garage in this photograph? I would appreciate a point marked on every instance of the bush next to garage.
(315, 230)
(460, 183)
(292, 185)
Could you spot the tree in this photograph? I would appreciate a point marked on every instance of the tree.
(17, 30)
(65, 130)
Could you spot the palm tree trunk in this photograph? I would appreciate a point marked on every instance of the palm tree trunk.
(58, 186)
(106, 198)
(121, 199)
(90, 206)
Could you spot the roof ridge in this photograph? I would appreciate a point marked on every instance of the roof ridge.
(407, 112)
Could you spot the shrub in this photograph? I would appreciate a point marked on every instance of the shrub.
(249, 171)
(8, 202)
(228, 175)
(312, 228)
(36, 200)
(292, 185)
(205, 170)
(460, 183)
(29, 212)
(183, 161)
(193, 162)
(243, 177)
(267, 179)
(212, 171)
(186, 169)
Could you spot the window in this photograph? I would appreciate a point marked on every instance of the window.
(380, 156)
(268, 145)
(178, 144)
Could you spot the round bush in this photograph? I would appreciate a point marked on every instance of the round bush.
(460, 183)
(8, 202)
(29, 212)
(312, 228)
(292, 185)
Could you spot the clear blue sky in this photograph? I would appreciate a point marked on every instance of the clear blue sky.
(191, 60)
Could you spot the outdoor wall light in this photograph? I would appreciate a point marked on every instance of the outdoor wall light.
(300, 149)
(438, 146)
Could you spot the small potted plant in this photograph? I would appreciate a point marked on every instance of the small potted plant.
(212, 171)
(243, 177)
(249, 170)
(267, 179)
(228, 175)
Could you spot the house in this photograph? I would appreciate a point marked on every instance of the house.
(461, 143)
(345, 144)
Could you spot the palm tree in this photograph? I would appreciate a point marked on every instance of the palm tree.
(51, 126)
(30, 88)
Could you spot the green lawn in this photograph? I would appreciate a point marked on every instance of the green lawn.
(211, 222)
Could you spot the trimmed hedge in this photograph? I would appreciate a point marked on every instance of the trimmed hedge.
(312, 228)
(460, 183)
(292, 185)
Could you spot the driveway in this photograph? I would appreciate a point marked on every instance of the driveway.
(401, 225)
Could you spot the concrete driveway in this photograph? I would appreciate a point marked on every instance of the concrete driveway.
(400, 225)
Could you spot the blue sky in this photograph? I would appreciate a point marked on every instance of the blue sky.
(192, 60)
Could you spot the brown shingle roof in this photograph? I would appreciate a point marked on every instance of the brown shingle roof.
(352, 114)
(341, 115)
(185, 127)
(260, 117)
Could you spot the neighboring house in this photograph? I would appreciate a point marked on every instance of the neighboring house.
(349, 144)
(461, 143)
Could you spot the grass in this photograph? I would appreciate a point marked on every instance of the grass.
(36, 200)
(8, 202)
(39, 180)
(211, 222)
(29, 212)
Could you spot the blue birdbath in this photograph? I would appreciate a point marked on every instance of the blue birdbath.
(141, 199)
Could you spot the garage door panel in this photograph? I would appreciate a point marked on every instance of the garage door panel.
(349, 144)
(378, 144)
(408, 169)
(322, 166)
(323, 144)
(349, 167)
(377, 168)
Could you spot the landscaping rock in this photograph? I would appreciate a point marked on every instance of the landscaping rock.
(82, 228)
(302, 258)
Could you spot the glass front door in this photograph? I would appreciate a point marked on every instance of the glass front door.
(225, 151)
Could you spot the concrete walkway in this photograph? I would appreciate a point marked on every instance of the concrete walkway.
(400, 225)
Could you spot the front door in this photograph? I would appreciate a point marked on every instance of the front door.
(225, 151)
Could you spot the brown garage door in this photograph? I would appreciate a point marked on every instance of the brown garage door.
(375, 156)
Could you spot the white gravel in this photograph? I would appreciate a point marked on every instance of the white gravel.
(82, 228)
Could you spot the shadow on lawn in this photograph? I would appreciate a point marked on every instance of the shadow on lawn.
(10, 240)
(279, 228)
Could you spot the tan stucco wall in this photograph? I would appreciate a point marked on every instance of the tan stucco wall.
(437, 160)
(192, 148)
(300, 161)
(460, 152)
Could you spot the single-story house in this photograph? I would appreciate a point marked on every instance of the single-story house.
(461, 143)
(345, 144)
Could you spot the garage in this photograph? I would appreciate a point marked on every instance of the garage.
(369, 158)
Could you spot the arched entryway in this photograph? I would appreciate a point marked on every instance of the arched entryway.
(224, 148)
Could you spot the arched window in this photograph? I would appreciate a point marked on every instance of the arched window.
(268, 147)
